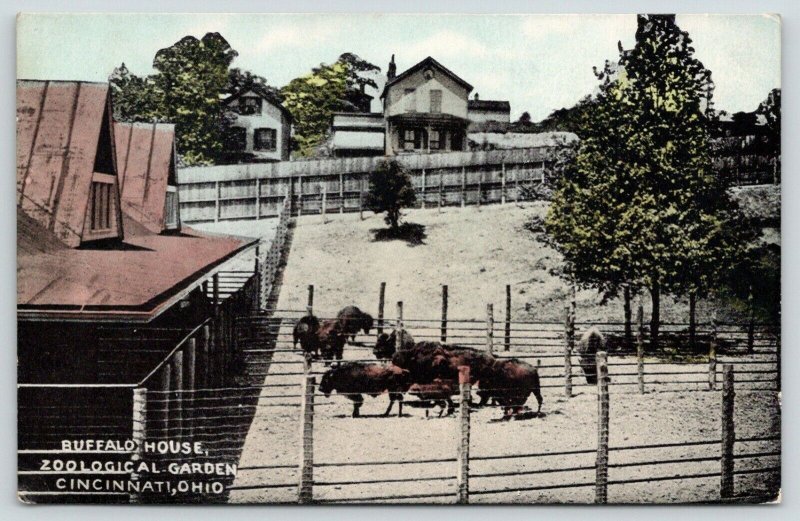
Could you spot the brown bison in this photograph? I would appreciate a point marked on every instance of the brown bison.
(354, 320)
(354, 379)
(590, 343)
(331, 339)
(438, 393)
(305, 332)
(386, 345)
(510, 382)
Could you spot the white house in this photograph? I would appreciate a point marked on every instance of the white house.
(262, 130)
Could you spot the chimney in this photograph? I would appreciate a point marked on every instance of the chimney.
(476, 97)
(391, 72)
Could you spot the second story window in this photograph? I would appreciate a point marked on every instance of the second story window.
(410, 96)
(249, 106)
(265, 140)
(436, 101)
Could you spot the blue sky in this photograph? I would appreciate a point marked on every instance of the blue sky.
(537, 62)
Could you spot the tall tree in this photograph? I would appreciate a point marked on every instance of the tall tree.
(191, 75)
(312, 99)
(135, 97)
(642, 206)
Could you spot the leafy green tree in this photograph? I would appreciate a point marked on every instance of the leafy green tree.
(191, 75)
(312, 99)
(135, 97)
(642, 207)
(390, 190)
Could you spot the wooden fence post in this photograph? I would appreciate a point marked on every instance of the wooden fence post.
(503, 181)
(208, 353)
(423, 189)
(258, 198)
(310, 305)
(381, 302)
(489, 328)
(462, 496)
(712, 357)
(441, 190)
(508, 318)
(201, 362)
(306, 487)
(324, 201)
(444, 314)
(640, 347)
(189, 384)
(217, 202)
(516, 181)
(569, 331)
(601, 466)
(299, 196)
(176, 376)
(751, 324)
(361, 200)
(463, 187)
(728, 432)
(341, 193)
(138, 433)
(398, 337)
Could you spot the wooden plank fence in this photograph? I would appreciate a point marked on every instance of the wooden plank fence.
(255, 191)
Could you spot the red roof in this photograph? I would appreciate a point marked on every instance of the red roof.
(145, 167)
(61, 127)
(135, 279)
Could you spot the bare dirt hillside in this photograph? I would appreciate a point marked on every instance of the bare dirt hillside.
(475, 251)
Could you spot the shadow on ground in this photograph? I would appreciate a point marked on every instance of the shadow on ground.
(412, 233)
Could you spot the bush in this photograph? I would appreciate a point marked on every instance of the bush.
(390, 190)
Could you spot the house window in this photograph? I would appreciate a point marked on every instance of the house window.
(436, 140)
(249, 106)
(457, 141)
(436, 101)
(411, 100)
(101, 206)
(414, 139)
(265, 140)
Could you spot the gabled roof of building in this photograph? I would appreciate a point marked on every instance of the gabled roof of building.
(427, 62)
(486, 104)
(134, 280)
(268, 99)
(63, 136)
(145, 167)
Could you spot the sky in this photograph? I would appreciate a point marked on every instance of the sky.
(538, 63)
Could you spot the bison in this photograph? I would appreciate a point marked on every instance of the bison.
(510, 382)
(305, 332)
(418, 361)
(331, 339)
(353, 379)
(386, 345)
(354, 320)
(438, 393)
(590, 343)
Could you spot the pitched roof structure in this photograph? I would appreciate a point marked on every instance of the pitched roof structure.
(132, 281)
(64, 136)
(265, 97)
(427, 62)
(485, 104)
(145, 167)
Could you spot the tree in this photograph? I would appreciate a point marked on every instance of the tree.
(642, 207)
(390, 190)
(135, 97)
(312, 99)
(191, 75)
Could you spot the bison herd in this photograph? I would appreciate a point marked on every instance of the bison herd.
(426, 370)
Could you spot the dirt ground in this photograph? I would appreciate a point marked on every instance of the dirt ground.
(475, 251)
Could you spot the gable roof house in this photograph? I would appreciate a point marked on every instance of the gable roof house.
(262, 129)
(80, 264)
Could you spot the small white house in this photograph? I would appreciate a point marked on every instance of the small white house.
(262, 130)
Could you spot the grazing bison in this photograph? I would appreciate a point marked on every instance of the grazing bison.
(590, 343)
(331, 339)
(447, 360)
(438, 393)
(511, 382)
(354, 320)
(305, 332)
(385, 346)
(418, 361)
(353, 379)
